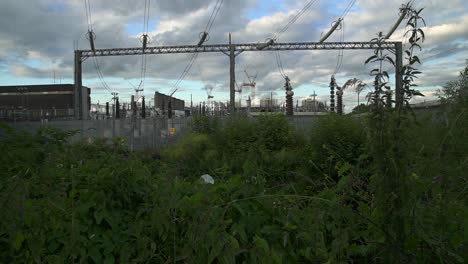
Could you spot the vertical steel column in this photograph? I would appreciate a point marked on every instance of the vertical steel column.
(232, 76)
(78, 93)
(398, 74)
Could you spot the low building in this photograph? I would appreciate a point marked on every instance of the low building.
(35, 102)
(161, 104)
(311, 105)
(268, 104)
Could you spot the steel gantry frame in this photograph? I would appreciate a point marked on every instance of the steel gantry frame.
(233, 50)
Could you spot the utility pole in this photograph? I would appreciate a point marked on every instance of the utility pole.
(314, 102)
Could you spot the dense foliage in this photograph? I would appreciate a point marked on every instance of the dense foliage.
(279, 196)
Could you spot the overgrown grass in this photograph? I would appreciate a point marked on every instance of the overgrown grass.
(278, 197)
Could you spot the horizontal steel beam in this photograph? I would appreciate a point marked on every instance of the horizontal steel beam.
(238, 48)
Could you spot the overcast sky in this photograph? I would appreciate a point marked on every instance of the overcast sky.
(37, 40)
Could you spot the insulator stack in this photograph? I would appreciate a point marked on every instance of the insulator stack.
(332, 94)
(143, 108)
(289, 97)
(333, 28)
(404, 12)
(339, 101)
(203, 37)
(265, 45)
(91, 41)
(134, 106)
(145, 41)
(117, 108)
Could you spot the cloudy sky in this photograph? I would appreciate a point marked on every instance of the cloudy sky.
(37, 39)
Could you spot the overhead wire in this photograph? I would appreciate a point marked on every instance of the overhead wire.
(88, 15)
(194, 56)
(285, 28)
(348, 8)
(339, 61)
(294, 19)
(95, 60)
(213, 16)
(146, 18)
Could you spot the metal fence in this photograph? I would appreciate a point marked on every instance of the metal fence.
(139, 134)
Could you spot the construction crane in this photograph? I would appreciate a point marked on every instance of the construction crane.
(251, 79)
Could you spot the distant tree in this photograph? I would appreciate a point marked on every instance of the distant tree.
(362, 108)
(456, 90)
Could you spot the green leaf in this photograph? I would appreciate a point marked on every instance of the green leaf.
(95, 254)
(261, 243)
(370, 59)
(109, 259)
(390, 60)
(19, 238)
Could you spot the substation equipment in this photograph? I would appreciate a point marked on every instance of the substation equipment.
(233, 50)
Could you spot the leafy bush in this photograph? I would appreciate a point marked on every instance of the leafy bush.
(335, 140)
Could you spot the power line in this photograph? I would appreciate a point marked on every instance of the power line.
(91, 33)
(294, 19)
(213, 15)
(339, 61)
(146, 18)
(348, 8)
(194, 56)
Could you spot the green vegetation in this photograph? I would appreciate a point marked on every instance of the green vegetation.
(279, 196)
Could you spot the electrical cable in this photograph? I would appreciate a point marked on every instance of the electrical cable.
(339, 61)
(348, 8)
(95, 60)
(213, 16)
(194, 56)
(294, 19)
(146, 18)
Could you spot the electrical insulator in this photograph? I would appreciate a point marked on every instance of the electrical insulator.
(203, 38)
(91, 37)
(339, 95)
(265, 45)
(333, 28)
(404, 12)
(143, 108)
(145, 41)
(107, 108)
(332, 94)
(117, 108)
(289, 97)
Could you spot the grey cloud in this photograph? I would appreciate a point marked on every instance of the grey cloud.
(51, 35)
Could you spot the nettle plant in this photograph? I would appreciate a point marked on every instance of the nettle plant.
(416, 38)
(381, 96)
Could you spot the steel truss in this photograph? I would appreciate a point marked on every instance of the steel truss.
(232, 50)
(225, 48)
